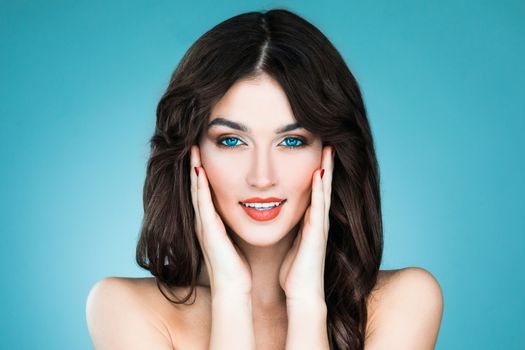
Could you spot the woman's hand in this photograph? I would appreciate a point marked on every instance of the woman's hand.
(227, 267)
(302, 272)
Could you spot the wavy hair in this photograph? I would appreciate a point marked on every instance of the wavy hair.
(325, 99)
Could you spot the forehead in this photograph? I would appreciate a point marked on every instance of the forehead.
(257, 103)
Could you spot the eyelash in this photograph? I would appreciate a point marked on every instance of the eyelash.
(301, 139)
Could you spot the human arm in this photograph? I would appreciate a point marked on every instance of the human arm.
(302, 271)
(307, 327)
(229, 273)
(406, 312)
(232, 324)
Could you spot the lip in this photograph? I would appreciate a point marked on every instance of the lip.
(264, 215)
(262, 200)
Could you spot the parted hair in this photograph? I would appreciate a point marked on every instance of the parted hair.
(325, 99)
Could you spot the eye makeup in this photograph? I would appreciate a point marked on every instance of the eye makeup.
(290, 142)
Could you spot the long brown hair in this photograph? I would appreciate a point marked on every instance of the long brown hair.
(325, 99)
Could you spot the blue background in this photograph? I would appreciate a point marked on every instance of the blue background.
(443, 82)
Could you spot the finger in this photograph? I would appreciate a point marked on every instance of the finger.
(195, 162)
(300, 228)
(202, 221)
(317, 211)
(219, 247)
(328, 165)
(206, 207)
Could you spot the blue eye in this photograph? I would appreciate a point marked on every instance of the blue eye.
(290, 142)
(293, 142)
(230, 141)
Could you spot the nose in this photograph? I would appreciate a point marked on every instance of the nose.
(261, 174)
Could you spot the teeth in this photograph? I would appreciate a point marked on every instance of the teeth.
(262, 206)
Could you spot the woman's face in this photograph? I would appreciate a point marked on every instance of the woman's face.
(258, 161)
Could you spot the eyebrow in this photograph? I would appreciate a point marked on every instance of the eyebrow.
(244, 128)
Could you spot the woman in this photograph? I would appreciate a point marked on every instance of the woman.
(262, 205)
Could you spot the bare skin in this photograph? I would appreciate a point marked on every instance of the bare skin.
(252, 147)
(172, 326)
(125, 313)
(189, 326)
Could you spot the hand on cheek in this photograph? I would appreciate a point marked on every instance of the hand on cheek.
(302, 271)
(227, 268)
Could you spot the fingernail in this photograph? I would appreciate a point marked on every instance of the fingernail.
(196, 171)
(322, 173)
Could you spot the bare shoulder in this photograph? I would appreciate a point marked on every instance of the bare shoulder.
(123, 313)
(404, 310)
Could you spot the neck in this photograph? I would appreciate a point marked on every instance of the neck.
(268, 298)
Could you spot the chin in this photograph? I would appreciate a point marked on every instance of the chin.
(259, 237)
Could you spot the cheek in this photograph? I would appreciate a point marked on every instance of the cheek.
(298, 174)
(221, 173)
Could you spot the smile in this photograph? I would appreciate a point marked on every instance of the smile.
(263, 211)
(263, 206)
